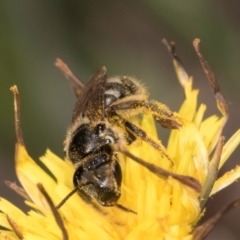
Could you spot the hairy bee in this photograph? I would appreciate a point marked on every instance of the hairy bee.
(100, 121)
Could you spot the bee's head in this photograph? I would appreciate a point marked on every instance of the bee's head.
(99, 178)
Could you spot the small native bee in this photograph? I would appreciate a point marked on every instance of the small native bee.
(100, 121)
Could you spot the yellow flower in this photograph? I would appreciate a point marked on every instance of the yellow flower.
(166, 207)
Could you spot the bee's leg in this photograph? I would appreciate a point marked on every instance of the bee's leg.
(161, 113)
(158, 171)
(130, 137)
(138, 132)
(76, 84)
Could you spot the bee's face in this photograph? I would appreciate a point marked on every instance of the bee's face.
(100, 178)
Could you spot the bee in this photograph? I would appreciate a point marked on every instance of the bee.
(101, 126)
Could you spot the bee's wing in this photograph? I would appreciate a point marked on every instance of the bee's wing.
(91, 101)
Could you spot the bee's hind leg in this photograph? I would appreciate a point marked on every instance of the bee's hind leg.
(161, 113)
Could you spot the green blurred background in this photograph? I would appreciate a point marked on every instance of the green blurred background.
(126, 37)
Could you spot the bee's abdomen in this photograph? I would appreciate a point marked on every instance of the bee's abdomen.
(120, 87)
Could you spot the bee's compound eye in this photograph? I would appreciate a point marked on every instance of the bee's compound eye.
(77, 177)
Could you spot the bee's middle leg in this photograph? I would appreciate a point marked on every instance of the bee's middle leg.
(140, 133)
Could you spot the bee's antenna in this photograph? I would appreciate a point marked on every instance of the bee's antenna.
(120, 206)
(66, 198)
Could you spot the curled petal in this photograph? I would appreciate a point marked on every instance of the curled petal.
(227, 179)
(229, 147)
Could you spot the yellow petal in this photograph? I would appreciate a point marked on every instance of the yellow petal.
(189, 152)
(29, 174)
(62, 170)
(227, 179)
(188, 108)
(229, 147)
(211, 129)
(199, 115)
(6, 235)
(9, 208)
